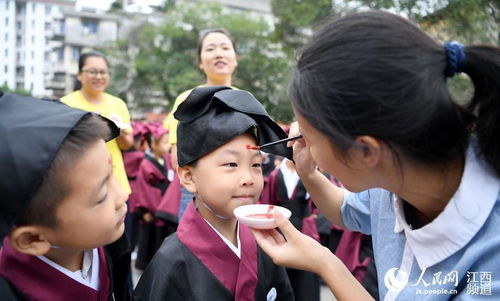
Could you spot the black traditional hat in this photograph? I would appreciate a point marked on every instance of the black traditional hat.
(211, 116)
(31, 132)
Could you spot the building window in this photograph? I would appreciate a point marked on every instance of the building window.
(18, 25)
(33, 23)
(48, 8)
(60, 54)
(62, 27)
(75, 52)
(32, 39)
(6, 21)
(33, 7)
(32, 70)
(33, 55)
(6, 37)
(6, 52)
(90, 26)
(6, 68)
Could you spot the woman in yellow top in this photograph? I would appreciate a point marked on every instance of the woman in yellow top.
(89, 95)
(217, 59)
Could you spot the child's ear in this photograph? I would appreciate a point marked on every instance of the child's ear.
(186, 177)
(29, 240)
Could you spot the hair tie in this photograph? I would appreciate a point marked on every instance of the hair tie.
(455, 57)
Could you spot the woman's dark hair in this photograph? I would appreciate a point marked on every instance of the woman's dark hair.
(81, 62)
(205, 33)
(55, 186)
(377, 74)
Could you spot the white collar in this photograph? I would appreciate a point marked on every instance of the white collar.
(88, 275)
(235, 249)
(460, 220)
(290, 177)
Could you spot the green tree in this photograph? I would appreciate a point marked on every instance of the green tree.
(295, 20)
(6, 89)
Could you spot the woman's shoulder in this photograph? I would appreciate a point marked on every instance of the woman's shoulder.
(71, 97)
(114, 99)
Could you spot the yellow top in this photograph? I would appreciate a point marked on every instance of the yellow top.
(112, 108)
(170, 122)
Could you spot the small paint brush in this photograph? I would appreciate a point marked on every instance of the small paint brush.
(273, 143)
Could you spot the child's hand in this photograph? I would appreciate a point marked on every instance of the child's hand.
(304, 162)
(148, 217)
(297, 251)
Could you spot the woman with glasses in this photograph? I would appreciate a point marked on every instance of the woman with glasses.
(92, 81)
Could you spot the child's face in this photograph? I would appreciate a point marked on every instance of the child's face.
(161, 146)
(229, 176)
(93, 212)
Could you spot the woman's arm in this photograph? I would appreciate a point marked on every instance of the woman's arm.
(125, 140)
(326, 196)
(296, 250)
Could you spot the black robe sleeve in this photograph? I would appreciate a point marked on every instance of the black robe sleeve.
(271, 275)
(118, 259)
(8, 292)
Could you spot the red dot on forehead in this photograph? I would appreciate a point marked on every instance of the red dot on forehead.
(109, 160)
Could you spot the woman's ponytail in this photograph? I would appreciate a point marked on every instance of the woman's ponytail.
(482, 65)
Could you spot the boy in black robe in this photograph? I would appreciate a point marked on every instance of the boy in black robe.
(212, 257)
(60, 204)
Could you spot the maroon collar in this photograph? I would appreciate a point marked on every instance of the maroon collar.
(239, 276)
(40, 281)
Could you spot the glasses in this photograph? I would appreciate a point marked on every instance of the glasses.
(94, 72)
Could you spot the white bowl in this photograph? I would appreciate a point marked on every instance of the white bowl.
(244, 215)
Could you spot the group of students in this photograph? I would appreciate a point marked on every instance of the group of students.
(155, 193)
(369, 94)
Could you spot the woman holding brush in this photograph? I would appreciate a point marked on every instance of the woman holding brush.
(218, 60)
(370, 97)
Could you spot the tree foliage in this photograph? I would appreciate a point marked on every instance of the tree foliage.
(158, 62)
(4, 88)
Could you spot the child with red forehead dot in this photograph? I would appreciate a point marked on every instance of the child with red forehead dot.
(62, 211)
(154, 176)
(212, 256)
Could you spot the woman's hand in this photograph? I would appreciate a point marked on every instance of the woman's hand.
(304, 162)
(295, 250)
(299, 251)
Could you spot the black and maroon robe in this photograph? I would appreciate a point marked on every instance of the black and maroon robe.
(25, 277)
(196, 264)
(306, 285)
(152, 181)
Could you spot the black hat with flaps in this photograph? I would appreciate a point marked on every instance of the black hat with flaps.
(211, 116)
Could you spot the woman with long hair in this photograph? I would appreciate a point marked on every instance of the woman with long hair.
(371, 100)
